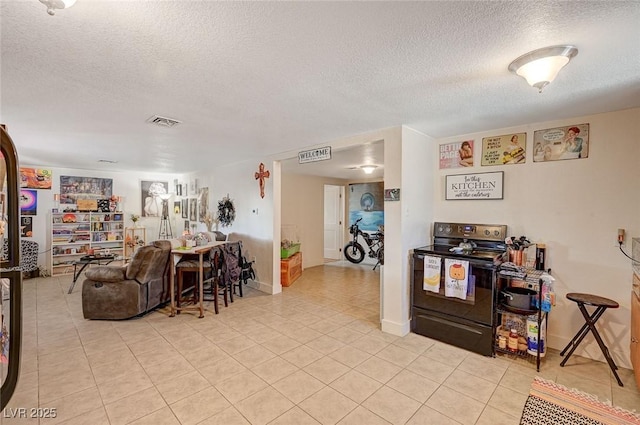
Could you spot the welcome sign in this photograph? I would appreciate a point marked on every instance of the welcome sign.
(475, 186)
(313, 155)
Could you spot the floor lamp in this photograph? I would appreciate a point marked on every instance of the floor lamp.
(165, 225)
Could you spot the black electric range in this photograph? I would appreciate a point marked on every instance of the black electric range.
(464, 320)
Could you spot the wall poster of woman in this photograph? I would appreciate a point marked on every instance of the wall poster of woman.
(506, 149)
(150, 192)
(456, 155)
(555, 144)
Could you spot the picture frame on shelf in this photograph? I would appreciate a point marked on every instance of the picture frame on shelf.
(103, 205)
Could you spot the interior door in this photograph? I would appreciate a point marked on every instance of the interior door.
(333, 221)
(10, 274)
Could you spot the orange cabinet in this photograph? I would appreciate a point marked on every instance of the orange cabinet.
(290, 269)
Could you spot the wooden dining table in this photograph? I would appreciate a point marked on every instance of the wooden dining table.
(176, 255)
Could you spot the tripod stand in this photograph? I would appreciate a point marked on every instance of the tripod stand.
(165, 225)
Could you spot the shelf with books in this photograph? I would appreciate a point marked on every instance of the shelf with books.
(74, 234)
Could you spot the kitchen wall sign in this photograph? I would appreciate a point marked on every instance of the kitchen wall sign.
(474, 186)
(554, 144)
(504, 150)
(457, 154)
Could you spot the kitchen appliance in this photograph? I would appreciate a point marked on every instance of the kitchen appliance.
(466, 323)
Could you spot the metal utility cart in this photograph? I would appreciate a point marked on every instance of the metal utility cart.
(508, 317)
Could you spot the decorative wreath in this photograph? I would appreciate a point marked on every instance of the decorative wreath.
(226, 211)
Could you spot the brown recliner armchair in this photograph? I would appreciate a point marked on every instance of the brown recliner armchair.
(121, 292)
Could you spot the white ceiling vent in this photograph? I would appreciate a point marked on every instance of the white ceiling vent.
(163, 121)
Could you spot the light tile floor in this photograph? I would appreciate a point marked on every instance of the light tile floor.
(313, 354)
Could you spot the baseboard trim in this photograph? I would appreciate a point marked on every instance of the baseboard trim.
(261, 286)
(395, 328)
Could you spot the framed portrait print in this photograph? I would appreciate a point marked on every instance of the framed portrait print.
(185, 208)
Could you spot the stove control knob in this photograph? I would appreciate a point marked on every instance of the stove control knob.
(496, 233)
(448, 229)
(487, 232)
(440, 229)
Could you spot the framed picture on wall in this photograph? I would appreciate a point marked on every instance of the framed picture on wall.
(477, 186)
(504, 150)
(28, 202)
(560, 143)
(366, 201)
(150, 192)
(73, 188)
(456, 155)
(185, 208)
(193, 209)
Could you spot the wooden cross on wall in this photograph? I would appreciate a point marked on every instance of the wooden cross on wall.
(260, 176)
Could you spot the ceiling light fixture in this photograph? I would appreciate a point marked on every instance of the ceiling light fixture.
(52, 5)
(541, 66)
(368, 169)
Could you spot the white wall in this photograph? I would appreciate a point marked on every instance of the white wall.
(407, 161)
(303, 209)
(575, 207)
(254, 215)
(126, 184)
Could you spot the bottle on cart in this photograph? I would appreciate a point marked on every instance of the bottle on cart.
(541, 253)
(502, 342)
(512, 343)
(536, 337)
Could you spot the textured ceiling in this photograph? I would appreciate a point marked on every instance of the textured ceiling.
(250, 79)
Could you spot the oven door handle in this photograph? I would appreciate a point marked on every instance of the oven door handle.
(454, 324)
(476, 264)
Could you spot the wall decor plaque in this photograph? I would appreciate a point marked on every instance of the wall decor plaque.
(475, 186)
(556, 144)
(505, 149)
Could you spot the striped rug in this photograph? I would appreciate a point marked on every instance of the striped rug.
(552, 404)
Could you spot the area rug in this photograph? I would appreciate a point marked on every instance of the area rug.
(552, 404)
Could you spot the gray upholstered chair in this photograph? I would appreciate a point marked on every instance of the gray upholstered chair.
(121, 292)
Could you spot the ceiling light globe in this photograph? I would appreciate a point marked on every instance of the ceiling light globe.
(52, 5)
(368, 169)
(540, 67)
(541, 72)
